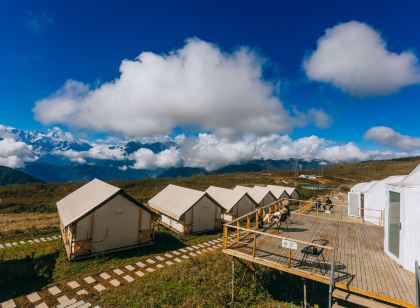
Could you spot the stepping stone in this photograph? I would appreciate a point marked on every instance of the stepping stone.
(55, 237)
(1, 246)
(33, 297)
(49, 239)
(118, 271)
(182, 250)
(65, 301)
(199, 252)
(169, 262)
(36, 240)
(140, 264)
(99, 287)
(160, 258)
(128, 278)
(150, 261)
(190, 249)
(89, 279)
(139, 273)
(73, 284)
(150, 270)
(42, 305)
(206, 244)
(159, 266)
(22, 242)
(15, 244)
(59, 236)
(130, 267)
(178, 260)
(176, 253)
(82, 292)
(104, 276)
(30, 241)
(54, 290)
(210, 248)
(43, 239)
(8, 304)
(185, 257)
(87, 305)
(195, 247)
(193, 254)
(114, 282)
(76, 304)
(168, 255)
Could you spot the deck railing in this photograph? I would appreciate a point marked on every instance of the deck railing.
(253, 232)
(417, 269)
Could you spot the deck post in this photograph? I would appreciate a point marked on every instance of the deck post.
(305, 300)
(233, 282)
(237, 231)
(225, 233)
(254, 245)
(256, 220)
(248, 224)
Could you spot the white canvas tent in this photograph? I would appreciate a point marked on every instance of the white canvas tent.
(236, 203)
(356, 198)
(280, 192)
(292, 192)
(99, 217)
(261, 195)
(402, 220)
(375, 199)
(186, 210)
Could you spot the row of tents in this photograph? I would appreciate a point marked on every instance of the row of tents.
(393, 202)
(186, 210)
(99, 217)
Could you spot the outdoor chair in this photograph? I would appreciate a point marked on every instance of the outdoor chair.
(316, 254)
(278, 220)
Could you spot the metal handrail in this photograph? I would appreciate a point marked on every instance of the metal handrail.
(331, 288)
(417, 269)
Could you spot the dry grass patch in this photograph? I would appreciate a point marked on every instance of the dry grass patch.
(27, 224)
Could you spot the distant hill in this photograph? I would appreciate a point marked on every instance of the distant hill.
(12, 176)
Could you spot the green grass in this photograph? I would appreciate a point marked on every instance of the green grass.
(206, 282)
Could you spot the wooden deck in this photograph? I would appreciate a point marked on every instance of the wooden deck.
(361, 265)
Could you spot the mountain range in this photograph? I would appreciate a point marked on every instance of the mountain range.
(58, 158)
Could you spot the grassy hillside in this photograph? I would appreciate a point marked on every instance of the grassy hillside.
(12, 176)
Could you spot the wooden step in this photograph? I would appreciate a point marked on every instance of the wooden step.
(358, 300)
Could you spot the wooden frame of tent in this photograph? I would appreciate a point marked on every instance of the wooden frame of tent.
(355, 265)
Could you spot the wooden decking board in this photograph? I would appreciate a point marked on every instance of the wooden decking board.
(359, 247)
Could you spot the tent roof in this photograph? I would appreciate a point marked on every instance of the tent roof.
(227, 198)
(290, 190)
(357, 187)
(367, 186)
(388, 180)
(175, 200)
(84, 199)
(277, 190)
(412, 179)
(257, 193)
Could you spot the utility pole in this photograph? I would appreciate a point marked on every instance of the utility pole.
(296, 168)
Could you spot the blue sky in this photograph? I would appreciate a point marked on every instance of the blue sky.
(46, 43)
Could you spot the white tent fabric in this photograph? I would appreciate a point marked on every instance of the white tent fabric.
(279, 191)
(407, 229)
(375, 199)
(84, 199)
(257, 193)
(355, 200)
(175, 200)
(227, 198)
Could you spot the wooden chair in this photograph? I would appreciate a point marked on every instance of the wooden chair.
(278, 220)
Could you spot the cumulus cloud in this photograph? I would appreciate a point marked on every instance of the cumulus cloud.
(388, 137)
(147, 159)
(354, 57)
(14, 153)
(314, 116)
(197, 86)
(97, 151)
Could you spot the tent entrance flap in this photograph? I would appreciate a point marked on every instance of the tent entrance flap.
(394, 224)
(354, 204)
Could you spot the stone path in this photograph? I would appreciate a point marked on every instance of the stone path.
(30, 241)
(74, 293)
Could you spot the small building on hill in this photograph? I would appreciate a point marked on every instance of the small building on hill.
(402, 220)
(99, 218)
(235, 203)
(186, 210)
(279, 192)
(261, 195)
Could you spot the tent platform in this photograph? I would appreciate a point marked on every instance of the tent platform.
(353, 252)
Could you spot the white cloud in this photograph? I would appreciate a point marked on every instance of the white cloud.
(198, 86)
(97, 151)
(354, 57)
(147, 159)
(388, 137)
(315, 116)
(14, 153)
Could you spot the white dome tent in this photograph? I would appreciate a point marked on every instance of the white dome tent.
(375, 199)
(356, 198)
(402, 220)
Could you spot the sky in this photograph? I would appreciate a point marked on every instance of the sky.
(346, 72)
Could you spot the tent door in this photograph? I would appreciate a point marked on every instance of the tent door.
(353, 207)
(394, 224)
